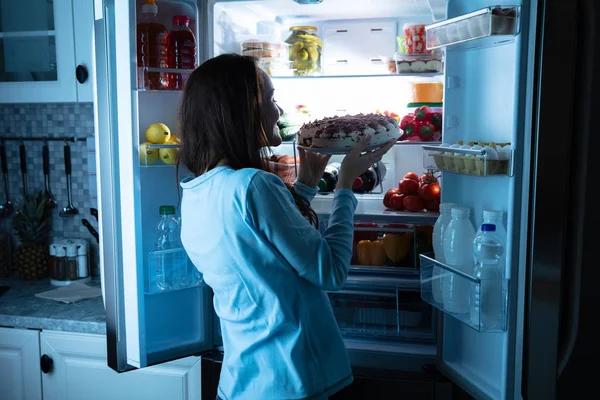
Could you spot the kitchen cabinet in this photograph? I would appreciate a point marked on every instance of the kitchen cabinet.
(79, 371)
(46, 51)
(20, 364)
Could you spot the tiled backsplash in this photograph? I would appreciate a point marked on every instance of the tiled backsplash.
(53, 120)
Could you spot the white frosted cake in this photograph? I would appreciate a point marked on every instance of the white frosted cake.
(344, 132)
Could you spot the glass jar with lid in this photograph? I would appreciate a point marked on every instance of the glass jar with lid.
(305, 50)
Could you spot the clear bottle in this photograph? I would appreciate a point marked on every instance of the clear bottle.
(152, 46)
(496, 217)
(171, 263)
(181, 50)
(488, 300)
(439, 228)
(458, 252)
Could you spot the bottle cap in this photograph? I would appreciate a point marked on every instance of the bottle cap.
(488, 228)
(357, 184)
(181, 20)
(461, 212)
(166, 210)
(149, 7)
(447, 207)
(492, 214)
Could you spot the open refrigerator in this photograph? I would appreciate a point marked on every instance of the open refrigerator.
(496, 89)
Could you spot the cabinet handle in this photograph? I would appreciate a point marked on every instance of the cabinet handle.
(46, 363)
(81, 73)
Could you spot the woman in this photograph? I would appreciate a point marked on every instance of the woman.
(255, 239)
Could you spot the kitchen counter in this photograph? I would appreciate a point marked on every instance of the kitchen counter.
(19, 308)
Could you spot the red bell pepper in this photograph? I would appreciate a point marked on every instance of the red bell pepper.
(425, 130)
(436, 120)
(423, 113)
(407, 124)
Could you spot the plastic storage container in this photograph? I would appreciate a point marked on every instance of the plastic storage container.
(426, 92)
(305, 50)
(418, 63)
(415, 38)
(285, 167)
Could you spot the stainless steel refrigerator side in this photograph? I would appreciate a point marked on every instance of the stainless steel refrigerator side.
(551, 225)
(108, 177)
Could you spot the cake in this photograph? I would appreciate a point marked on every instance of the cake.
(344, 132)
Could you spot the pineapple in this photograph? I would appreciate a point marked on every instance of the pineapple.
(32, 224)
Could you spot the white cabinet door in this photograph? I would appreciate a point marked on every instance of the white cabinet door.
(79, 371)
(83, 28)
(20, 364)
(37, 55)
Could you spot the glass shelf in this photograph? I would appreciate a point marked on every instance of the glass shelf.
(441, 283)
(413, 75)
(487, 27)
(466, 161)
(150, 155)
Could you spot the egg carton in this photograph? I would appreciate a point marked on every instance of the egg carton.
(467, 161)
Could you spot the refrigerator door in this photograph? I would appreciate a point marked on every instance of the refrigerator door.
(489, 97)
(561, 292)
(143, 328)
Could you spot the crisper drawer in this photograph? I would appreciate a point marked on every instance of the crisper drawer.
(383, 307)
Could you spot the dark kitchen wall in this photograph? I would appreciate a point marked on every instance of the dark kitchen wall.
(54, 120)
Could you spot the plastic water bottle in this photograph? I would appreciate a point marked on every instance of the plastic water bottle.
(488, 300)
(171, 260)
(458, 252)
(438, 248)
(496, 217)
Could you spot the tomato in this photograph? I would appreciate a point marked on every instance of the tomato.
(409, 186)
(397, 201)
(388, 195)
(429, 191)
(428, 177)
(413, 203)
(433, 205)
(411, 175)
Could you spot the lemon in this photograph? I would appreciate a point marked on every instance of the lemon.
(168, 156)
(158, 133)
(174, 139)
(147, 156)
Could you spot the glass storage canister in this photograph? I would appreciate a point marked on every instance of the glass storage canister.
(59, 272)
(71, 249)
(305, 50)
(83, 269)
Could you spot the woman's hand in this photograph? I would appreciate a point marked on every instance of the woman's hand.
(356, 163)
(312, 166)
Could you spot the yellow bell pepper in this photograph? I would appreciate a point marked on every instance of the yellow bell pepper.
(371, 252)
(397, 245)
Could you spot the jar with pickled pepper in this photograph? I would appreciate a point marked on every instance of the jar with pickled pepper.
(305, 50)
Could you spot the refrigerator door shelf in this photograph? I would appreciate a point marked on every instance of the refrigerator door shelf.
(467, 161)
(487, 27)
(435, 280)
(146, 74)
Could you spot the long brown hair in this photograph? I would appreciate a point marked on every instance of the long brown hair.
(220, 119)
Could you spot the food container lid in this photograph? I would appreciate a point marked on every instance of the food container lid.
(411, 24)
(417, 105)
(60, 251)
(71, 250)
(418, 57)
(303, 28)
